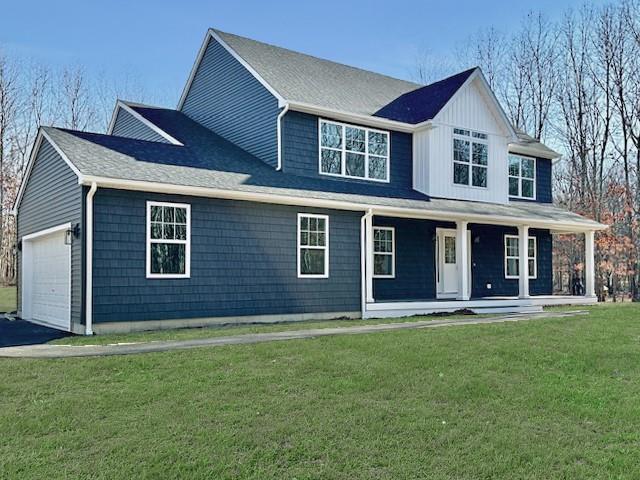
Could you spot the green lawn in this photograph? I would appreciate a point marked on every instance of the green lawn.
(7, 299)
(556, 398)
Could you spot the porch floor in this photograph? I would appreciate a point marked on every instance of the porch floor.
(502, 304)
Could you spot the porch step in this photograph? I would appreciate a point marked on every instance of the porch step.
(508, 309)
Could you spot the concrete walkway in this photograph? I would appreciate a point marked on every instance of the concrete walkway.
(61, 351)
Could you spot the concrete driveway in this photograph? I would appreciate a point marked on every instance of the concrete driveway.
(19, 332)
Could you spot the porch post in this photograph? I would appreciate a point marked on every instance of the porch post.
(589, 264)
(462, 260)
(523, 262)
(369, 255)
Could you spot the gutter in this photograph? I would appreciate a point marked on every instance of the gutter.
(89, 260)
(137, 185)
(279, 134)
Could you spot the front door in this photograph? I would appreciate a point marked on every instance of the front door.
(447, 265)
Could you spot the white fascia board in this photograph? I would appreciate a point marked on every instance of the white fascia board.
(532, 151)
(42, 135)
(121, 104)
(359, 119)
(211, 34)
(136, 185)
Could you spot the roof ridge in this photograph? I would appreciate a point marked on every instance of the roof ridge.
(409, 82)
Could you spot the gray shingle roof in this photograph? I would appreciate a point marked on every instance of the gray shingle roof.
(306, 79)
(207, 160)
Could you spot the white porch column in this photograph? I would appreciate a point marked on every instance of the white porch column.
(589, 264)
(369, 254)
(462, 260)
(523, 252)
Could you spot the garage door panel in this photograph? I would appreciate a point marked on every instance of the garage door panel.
(50, 289)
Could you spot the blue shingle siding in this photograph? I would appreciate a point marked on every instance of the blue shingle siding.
(416, 256)
(126, 125)
(487, 257)
(543, 180)
(243, 262)
(53, 197)
(227, 99)
(300, 152)
(415, 277)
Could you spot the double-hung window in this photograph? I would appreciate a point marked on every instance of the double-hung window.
(168, 240)
(512, 257)
(522, 177)
(470, 158)
(353, 152)
(384, 252)
(313, 246)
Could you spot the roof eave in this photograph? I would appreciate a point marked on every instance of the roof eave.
(282, 199)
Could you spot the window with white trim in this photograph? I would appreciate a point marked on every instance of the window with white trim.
(313, 245)
(168, 240)
(384, 256)
(353, 152)
(470, 158)
(512, 257)
(522, 177)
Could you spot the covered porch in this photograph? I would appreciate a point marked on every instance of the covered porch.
(416, 265)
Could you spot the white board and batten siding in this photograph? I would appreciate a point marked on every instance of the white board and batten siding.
(469, 109)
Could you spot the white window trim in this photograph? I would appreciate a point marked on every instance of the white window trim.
(325, 248)
(471, 139)
(187, 242)
(534, 258)
(392, 253)
(520, 177)
(343, 151)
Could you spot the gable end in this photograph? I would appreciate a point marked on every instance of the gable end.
(224, 96)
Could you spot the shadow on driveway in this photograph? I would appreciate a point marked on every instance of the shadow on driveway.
(18, 332)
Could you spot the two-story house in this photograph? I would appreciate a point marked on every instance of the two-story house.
(286, 187)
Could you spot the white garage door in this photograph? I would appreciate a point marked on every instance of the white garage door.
(46, 278)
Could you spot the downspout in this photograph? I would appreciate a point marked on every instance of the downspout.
(89, 260)
(363, 260)
(279, 134)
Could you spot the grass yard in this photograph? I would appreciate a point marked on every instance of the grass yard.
(7, 299)
(556, 398)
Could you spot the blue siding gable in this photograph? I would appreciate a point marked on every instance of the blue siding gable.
(226, 98)
(300, 152)
(126, 125)
(53, 197)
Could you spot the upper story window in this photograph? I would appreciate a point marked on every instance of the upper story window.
(522, 177)
(354, 152)
(470, 158)
(168, 240)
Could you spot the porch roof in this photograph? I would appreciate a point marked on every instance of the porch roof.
(208, 165)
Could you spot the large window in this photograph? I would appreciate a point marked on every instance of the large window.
(384, 252)
(522, 177)
(512, 257)
(470, 158)
(168, 240)
(313, 245)
(354, 152)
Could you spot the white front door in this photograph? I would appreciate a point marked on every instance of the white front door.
(446, 263)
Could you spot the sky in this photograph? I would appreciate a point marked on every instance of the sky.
(156, 41)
